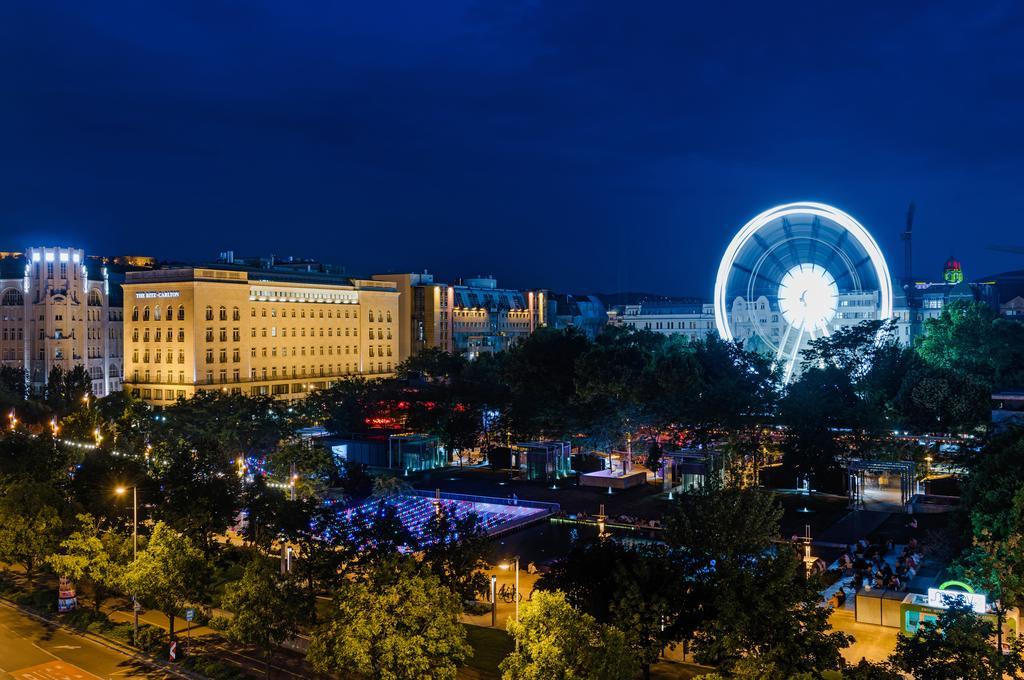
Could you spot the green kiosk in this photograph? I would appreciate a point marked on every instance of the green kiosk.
(907, 611)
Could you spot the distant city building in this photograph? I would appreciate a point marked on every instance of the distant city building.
(691, 320)
(749, 319)
(925, 300)
(585, 313)
(254, 331)
(58, 309)
(471, 317)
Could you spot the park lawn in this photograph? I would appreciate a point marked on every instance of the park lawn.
(490, 646)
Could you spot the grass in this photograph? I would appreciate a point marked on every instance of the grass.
(490, 646)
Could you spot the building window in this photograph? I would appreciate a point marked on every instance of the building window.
(209, 313)
(145, 313)
(235, 315)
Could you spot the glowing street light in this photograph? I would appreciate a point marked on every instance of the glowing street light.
(505, 566)
(121, 491)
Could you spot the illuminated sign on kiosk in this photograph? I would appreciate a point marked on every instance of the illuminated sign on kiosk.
(937, 597)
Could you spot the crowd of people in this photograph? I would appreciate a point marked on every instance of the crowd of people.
(869, 568)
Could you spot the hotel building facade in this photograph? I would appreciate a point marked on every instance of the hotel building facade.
(471, 317)
(254, 332)
(57, 309)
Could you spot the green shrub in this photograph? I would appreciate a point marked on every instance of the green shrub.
(214, 669)
(151, 639)
(83, 619)
(42, 599)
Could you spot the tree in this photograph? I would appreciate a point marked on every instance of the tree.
(13, 386)
(736, 386)
(934, 398)
(723, 523)
(267, 608)
(994, 562)
(609, 383)
(766, 609)
(970, 338)
(456, 550)
(168, 574)
(432, 363)
(540, 372)
(636, 589)
(97, 558)
(389, 486)
(397, 623)
(314, 466)
(264, 507)
(356, 483)
(815, 407)
(65, 390)
(252, 426)
(751, 599)
(30, 525)
(557, 641)
(320, 533)
(866, 670)
(201, 487)
(956, 647)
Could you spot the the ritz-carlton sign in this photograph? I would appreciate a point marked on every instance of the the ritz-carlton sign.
(157, 294)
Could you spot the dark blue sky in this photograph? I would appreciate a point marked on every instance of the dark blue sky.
(591, 145)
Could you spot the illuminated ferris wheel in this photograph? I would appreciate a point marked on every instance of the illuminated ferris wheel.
(795, 273)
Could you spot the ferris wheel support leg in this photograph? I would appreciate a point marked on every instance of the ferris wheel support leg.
(791, 362)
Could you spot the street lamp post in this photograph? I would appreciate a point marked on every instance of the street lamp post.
(120, 491)
(515, 595)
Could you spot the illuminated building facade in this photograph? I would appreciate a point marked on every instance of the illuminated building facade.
(254, 332)
(57, 309)
(925, 300)
(471, 317)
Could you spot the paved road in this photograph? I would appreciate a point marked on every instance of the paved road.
(32, 650)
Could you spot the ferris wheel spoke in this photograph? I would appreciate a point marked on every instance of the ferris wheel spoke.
(791, 360)
(782, 344)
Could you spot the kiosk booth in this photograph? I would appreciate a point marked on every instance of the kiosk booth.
(907, 611)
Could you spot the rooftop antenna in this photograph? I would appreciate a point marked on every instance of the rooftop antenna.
(908, 260)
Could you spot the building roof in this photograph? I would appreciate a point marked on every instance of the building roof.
(667, 308)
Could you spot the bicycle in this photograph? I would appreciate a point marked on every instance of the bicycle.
(507, 593)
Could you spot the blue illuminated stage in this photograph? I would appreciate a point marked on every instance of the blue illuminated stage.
(497, 515)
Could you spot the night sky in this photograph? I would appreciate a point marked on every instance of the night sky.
(581, 146)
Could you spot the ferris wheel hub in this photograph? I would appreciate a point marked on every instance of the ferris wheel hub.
(808, 297)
